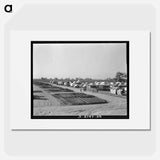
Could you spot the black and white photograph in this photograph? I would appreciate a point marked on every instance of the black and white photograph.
(79, 79)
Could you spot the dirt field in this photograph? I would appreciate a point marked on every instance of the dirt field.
(62, 100)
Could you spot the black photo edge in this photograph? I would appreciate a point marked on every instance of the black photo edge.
(77, 117)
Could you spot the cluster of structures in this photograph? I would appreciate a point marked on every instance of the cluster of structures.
(119, 88)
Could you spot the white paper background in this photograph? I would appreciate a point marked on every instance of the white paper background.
(106, 15)
(139, 80)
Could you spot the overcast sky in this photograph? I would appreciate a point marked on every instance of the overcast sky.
(98, 61)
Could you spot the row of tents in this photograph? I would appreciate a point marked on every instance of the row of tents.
(118, 88)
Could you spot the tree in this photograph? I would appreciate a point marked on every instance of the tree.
(121, 77)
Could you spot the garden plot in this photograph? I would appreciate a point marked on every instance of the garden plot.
(37, 91)
(78, 99)
(58, 89)
(38, 97)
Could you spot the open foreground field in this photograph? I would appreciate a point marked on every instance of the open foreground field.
(61, 100)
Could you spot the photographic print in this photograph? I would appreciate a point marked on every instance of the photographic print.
(79, 79)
